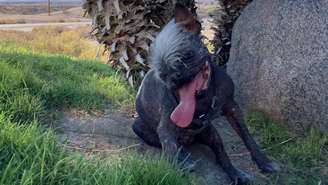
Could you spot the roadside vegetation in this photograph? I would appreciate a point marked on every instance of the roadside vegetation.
(57, 40)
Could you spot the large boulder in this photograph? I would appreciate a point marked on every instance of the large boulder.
(279, 61)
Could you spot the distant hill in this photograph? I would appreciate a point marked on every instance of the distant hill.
(34, 7)
(206, 1)
(38, 1)
(68, 1)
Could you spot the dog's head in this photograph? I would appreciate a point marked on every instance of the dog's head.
(181, 61)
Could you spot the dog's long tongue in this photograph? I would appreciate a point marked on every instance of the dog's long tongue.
(183, 114)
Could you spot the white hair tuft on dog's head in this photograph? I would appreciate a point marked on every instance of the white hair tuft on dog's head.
(178, 48)
(172, 45)
(168, 45)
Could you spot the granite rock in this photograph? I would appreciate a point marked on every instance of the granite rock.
(279, 61)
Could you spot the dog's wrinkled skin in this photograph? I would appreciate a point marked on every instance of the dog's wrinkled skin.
(178, 55)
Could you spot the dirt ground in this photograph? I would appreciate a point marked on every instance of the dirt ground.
(69, 15)
(111, 134)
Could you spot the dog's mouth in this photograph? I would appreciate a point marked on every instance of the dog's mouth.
(183, 114)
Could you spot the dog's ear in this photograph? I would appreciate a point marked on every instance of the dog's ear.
(183, 16)
(181, 13)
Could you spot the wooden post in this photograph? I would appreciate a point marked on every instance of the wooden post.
(49, 7)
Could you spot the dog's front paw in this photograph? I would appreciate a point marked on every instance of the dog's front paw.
(242, 178)
(270, 167)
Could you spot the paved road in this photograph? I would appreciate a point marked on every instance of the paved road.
(29, 27)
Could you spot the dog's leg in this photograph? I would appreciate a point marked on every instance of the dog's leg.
(211, 138)
(235, 117)
(168, 135)
(148, 135)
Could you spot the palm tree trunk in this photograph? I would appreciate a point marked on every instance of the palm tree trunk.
(224, 19)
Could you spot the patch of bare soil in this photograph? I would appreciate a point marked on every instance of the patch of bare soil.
(111, 134)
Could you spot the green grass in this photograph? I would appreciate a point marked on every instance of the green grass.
(31, 83)
(32, 86)
(31, 155)
(303, 158)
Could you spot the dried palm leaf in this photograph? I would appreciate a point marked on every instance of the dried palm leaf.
(224, 18)
(128, 27)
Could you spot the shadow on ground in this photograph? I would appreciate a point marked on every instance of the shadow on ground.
(111, 133)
